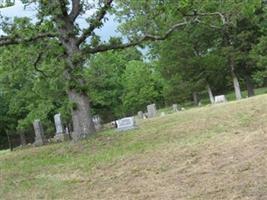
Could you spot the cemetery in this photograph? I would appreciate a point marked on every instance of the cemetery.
(211, 142)
(133, 100)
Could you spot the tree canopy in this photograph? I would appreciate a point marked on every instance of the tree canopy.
(165, 52)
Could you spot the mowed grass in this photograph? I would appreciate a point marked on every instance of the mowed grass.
(212, 152)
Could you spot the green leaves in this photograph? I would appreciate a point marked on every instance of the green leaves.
(140, 86)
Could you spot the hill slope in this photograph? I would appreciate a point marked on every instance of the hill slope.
(213, 152)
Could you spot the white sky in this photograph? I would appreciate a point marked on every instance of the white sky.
(18, 10)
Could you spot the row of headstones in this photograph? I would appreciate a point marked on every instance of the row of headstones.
(128, 123)
(152, 111)
(122, 124)
(60, 135)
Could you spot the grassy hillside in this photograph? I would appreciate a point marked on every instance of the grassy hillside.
(212, 152)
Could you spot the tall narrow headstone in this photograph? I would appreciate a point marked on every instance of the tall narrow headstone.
(140, 114)
(39, 133)
(58, 124)
(151, 110)
(97, 122)
(60, 135)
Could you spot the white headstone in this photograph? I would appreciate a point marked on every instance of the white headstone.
(60, 134)
(151, 110)
(126, 123)
(67, 131)
(97, 122)
(220, 99)
(58, 124)
(162, 114)
(39, 133)
(175, 108)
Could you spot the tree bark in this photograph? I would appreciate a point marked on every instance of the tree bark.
(250, 86)
(265, 82)
(238, 94)
(83, 125)
(195, 98)
(9, 141)
(22, 139)
(236, 86)
(82, 119)
(210, 94)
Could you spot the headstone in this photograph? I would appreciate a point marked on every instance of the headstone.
(39, 133)
(175, 108)
(67, 131)
(60, 135)
(58, 124)
(97, 122)
(220, 99)
(145, 115)
(140, 114)
(162, 114)
(151, 110)
(126, 123)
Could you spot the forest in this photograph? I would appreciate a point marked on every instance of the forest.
(166, 52)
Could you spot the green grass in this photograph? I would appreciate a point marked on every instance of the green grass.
(3, 152)
(55, 170)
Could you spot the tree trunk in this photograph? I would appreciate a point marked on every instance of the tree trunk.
(265, 82)
(81, 117)
(235, 81)
(236, 86)
(22, 139)
(9, 141)
(250, 86)
(210, 94)
(195, 98)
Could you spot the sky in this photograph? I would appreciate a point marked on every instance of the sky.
(18, 10)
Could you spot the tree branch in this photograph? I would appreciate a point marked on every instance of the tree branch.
(147, 37)
(96, 21)
(223, 19)
(36, 63)
(7, 40)
(63, 7)
(76, 9)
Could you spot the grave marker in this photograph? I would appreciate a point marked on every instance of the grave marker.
(220, 99)
(175, 108)
(151, 110)
(140, 114)
(60, 135)
(97, 122)
(58, 124)
(39, 133)
(126, 123)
